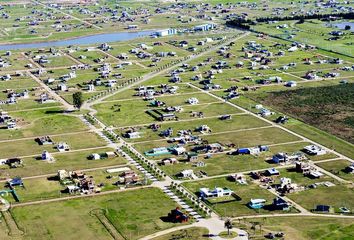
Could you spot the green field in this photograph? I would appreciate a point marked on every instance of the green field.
(130, 213)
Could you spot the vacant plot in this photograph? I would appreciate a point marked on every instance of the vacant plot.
(320, 196)
(23, 148)
(338, 168)
(42, 122)
(131, 213)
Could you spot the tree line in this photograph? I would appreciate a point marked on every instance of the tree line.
(246, 23)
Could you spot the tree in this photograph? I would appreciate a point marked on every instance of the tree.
(78, 100)
(228, 225)
(301, 21)
(347, 27)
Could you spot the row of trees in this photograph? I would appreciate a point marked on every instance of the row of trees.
(246, 23)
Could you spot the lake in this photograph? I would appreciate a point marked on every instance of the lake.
(92, 39)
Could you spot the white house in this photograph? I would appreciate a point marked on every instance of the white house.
(216, 192)
(314, 150)
(166, 32)
(193, 101)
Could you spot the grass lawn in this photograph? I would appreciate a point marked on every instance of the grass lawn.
(131, 213)
(195, 233)
(338, 168)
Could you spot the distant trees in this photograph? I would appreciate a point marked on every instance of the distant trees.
(347, 27)
(245, 23)
(301, 21)
(78, 99)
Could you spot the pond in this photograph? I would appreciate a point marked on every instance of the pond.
(92, 39)
(342, 25)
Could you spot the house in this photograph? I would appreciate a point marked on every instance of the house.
(132, 135)
(314, 150)
(46, 140)
(167, 117)
(169, 161)
(214, 148)
(129, 177)
(284, 158)
(350, 169)
(290, 84)
(257, 203)
(193, 101)
(314, 174)
(322, 208)
(216, 192)
(205, 27)
(46, 156)
(90, 87)
(265, 112)
(62, 87)
(203, 129)
(63, 147)
(178, 150)
(165, 32)
(11, 124)
(272, 172)
(186, 173)
(281, 120)
(303, 167)
(252, 151)
(199, 164)
(240, 178)
(280, 204)
(176, 215)
(94, 156)
(157, 151)
(17, 181)
(192, 157)
(11, 162)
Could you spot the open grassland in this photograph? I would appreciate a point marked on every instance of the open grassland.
(328, 108)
